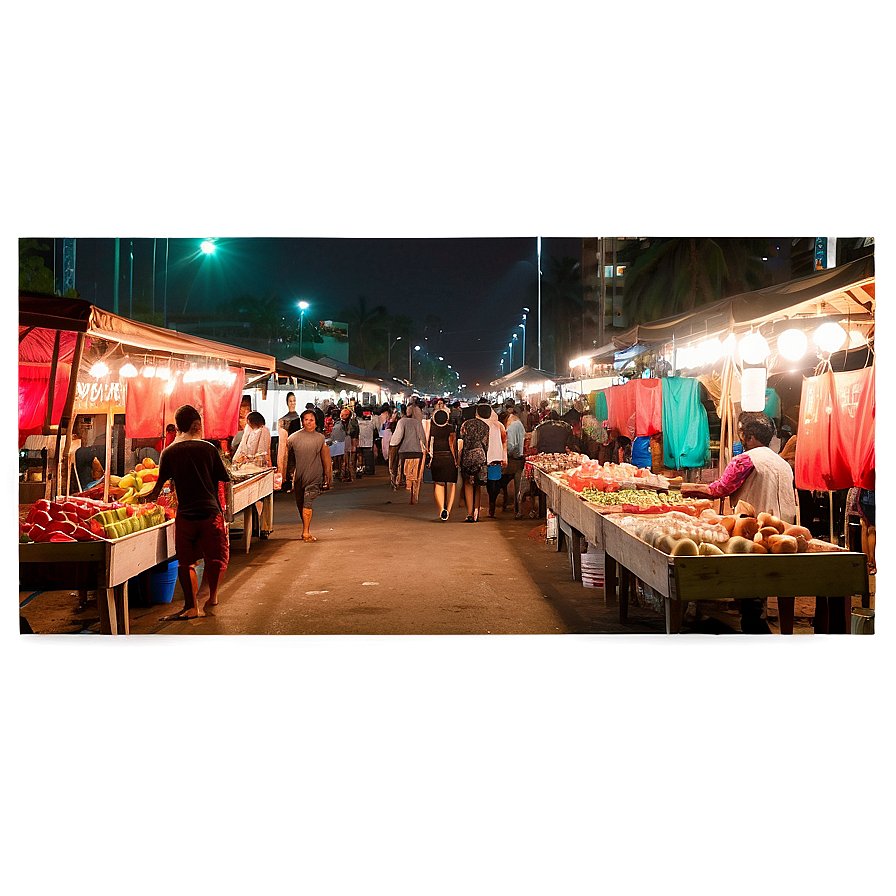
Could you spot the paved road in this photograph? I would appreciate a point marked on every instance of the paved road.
(383, 566)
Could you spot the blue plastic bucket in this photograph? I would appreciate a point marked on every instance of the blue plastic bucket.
(162, 580)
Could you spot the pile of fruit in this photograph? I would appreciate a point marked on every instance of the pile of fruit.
(138, 483)
(743, 532)
(83, 519)
(591, 474)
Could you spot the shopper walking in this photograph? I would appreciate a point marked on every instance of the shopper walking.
(283, 455)
(411, 441)
(473, 458)
(443, 461)
(313, 468)
(200, 532)
(496, 457)
(395, 478)
(516, 439)
(336, 443)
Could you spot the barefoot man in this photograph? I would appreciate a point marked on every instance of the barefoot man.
(313, 468)
(199, 529)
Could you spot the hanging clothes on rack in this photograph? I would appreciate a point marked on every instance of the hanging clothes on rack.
(685, 424)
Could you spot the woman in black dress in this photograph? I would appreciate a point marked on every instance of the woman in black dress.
(443, 464)
(473, 463)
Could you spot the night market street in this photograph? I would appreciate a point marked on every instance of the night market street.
(384, 567)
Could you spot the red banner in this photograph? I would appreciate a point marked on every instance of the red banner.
(835, 442)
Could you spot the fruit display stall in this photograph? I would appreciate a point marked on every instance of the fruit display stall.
(251, 484)
(103, 366)
(686, 551)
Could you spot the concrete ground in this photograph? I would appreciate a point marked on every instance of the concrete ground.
(384, 567)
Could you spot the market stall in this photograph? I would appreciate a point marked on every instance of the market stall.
(122, 380)
(687, 568)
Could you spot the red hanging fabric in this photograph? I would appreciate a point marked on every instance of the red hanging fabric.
(835, 442)
(34, 382)
(853, 425)
(636, 408)
(150, 405)
(144, 406)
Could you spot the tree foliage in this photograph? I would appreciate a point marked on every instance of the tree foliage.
(668, 276)
(366, 327)
(34, 275)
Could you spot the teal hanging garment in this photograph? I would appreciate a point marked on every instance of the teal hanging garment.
(600, 407)
(772, 404)
(685, 424)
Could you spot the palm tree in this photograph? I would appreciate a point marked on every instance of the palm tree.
(667, 276)
(563, 290)
(365, 328)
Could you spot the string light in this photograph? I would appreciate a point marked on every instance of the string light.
(830, 337)
(792, 344)
(753, 348)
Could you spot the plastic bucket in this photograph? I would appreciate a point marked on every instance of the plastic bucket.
(162, 579)
(862, 621)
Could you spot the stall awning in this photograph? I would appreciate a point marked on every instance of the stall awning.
(528, 376)
(76, 315)
(847, 290)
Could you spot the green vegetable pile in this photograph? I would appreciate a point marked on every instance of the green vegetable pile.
(640, 496)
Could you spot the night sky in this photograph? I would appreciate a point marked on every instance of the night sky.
(477, 287)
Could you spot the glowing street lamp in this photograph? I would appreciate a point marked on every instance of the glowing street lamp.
(302, 306)
(538, 259)
(207, 246)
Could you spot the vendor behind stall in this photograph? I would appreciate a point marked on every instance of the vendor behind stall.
(758, 475)
(762, 478)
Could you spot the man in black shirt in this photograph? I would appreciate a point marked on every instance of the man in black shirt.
(200, 531)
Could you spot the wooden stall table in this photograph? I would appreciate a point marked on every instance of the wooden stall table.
(242, 494)
(577, 519)
(105, 566)
(833, 575)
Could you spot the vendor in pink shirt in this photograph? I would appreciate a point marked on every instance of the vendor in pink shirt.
(759, 475)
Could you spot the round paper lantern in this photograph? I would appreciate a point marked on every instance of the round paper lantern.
(830, 337)
(792, 344)
(753, 348)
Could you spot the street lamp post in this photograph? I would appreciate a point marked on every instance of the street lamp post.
(523, 328)
(303, 306)
(538, 258)
(389, 350)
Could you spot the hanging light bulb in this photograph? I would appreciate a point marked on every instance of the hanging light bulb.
(163, 373)
(712, 350)
(148, 371)
(127, 369)
(101, 368)
(753, 348)
(830, 337)
(729, 344)
(792, 344)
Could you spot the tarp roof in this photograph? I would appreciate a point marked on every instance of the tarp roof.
(847, 290)
(76, 315)
(525, 375)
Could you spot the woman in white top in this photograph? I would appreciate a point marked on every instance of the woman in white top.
(255, 446)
